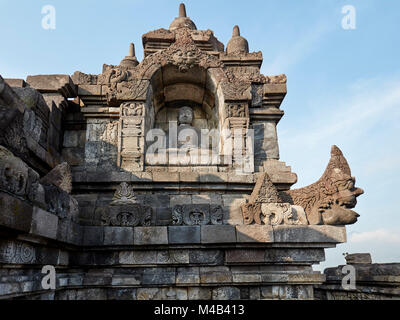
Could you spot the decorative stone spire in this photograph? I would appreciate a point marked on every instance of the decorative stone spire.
(182, 21)
(182, 11)
(237, 44)
(130, 60)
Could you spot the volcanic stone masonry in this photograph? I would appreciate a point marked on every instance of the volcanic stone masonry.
(77, 191)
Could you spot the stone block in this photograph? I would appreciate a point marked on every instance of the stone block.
(358, 258)
(184, 234)
(254, 233)
(118, 236)
(188, 276)
(165, 176)
(199, 293)
(226, 293)
(310, 234)
(125, 280)
(180, 200)
(15, 214)
(246, 278)
(150, 235)
(71, 139)
(206, 257)
(138, 257)
(44, 224)
(306, 255)
(159, 276)
(218, 234)
(173, 257)
(53, 83)
(93, 236)
(215, 275)
(244, 256)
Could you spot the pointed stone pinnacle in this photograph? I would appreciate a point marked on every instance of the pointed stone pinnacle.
(236, 31)
(182, 10)
(131, 50)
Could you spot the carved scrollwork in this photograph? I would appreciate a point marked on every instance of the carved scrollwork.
(197, 214)
(132, 109)
(177, 215)
(217, 215)
(236, 110)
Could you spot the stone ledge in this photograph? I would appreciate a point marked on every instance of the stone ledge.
(309, 234)
(59, 83)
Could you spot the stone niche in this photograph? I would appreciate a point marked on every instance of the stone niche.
(77, 190)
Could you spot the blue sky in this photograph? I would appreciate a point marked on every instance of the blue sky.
(343, 85)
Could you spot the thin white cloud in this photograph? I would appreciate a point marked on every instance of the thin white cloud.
(304, 45)
(379, 236)
(353, 116)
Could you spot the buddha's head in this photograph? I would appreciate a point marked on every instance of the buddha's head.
(185, 116)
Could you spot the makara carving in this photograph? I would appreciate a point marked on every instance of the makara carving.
(329, 200)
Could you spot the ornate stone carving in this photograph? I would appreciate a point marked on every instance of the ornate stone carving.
(197, 214)
(17, 252)
(132, 109)
(329, 200)
(265, 206)
(131, 140)
(236, 110)
(124, 209)
(13, 173)
(59, 176)
(124, 194)
(110, 134)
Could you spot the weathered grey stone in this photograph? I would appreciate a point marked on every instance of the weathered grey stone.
(125, 280)
(218, 234)
(184, 234)
(215, 275)
(254, 233)
(118, 236)
(44, 224)
(121, 294)
(150, 235)
(307, 234)
(173, 257)
(93, 236)
(159, 276)
(136, 257)
(15, 214)
(206, 257)
(199, 293)
(189, 276)
(226, 293)
(358, 258)
(244, 256)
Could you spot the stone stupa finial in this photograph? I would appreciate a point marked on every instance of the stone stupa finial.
(131, 50)
(236, 31)
(182, 11)
(130, 60)
(182, 21)
(238, 44)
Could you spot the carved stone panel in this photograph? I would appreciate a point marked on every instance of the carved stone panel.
(131, 136)
(197, 214)
(128, 215)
